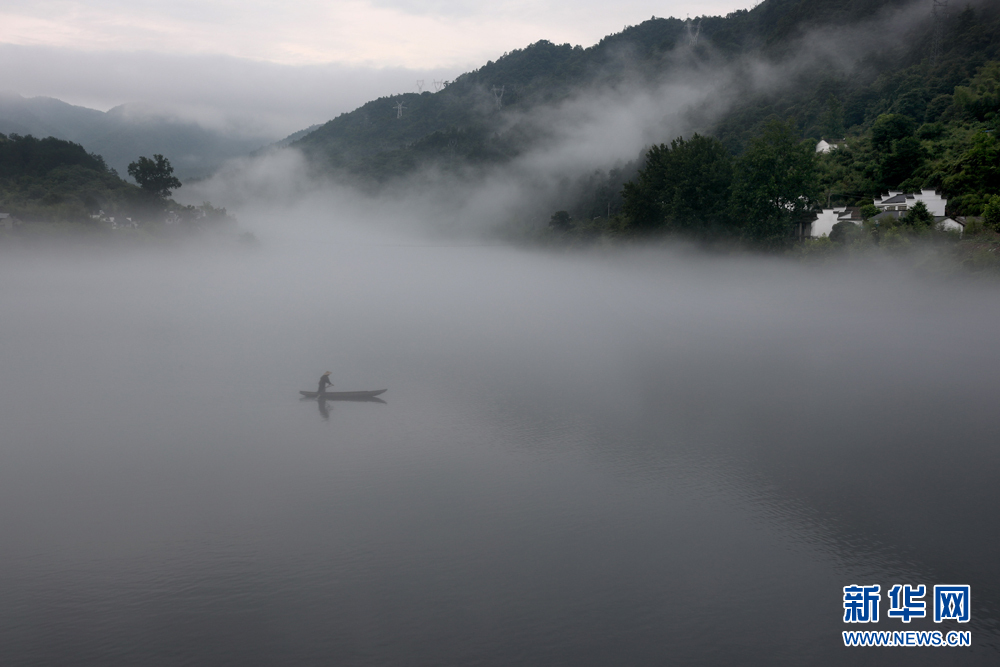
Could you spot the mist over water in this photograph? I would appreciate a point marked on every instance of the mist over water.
(608, 457)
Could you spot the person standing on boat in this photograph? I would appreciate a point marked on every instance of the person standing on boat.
(324, 382)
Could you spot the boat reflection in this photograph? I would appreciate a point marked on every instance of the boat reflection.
(324, 409)
(343, 399)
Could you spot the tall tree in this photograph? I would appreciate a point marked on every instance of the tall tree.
(155, 177)
(684, 187)
(906, 157)
(890, 127)
(775, 185)
(832, 122)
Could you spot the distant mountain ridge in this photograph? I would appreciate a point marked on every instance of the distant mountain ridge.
(467, 122)
(125, 132)
(287, 141)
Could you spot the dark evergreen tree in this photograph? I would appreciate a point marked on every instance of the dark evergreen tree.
(775, 186)
(155, 177)
(684, 187)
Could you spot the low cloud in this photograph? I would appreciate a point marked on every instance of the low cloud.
(220, 92)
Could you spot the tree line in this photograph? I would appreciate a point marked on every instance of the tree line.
(51, 180)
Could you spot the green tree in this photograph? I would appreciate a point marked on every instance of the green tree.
(832, 122)
(869, 211)
(991, 213)
(843, 231)
(775, 186)
(918, 217)
(891, 127)
(155, 177)
(561, 221)
(982, 96)
(684, 187)
(978, 171)
(906, 157)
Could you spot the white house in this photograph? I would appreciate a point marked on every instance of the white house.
(825, 220)
(898, 202)
(825, 147)
(949, 224)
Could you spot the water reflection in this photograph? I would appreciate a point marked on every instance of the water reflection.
(324, 409)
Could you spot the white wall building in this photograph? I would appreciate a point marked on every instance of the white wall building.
(899, 201)
(896, 204)
(825, 220)
(824, 146)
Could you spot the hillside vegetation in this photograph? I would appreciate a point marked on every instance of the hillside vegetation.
(462, 122)
(55, 180)
(52, 186)
(916, 107)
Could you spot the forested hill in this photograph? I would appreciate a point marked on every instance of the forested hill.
(463, 123)
(51, 186)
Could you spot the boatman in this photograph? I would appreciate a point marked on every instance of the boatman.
(324, 382)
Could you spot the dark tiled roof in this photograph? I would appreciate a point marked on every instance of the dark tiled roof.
(898, 199)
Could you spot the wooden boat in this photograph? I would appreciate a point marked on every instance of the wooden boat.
(344, 395)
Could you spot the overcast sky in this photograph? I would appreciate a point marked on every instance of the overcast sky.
(284, 65)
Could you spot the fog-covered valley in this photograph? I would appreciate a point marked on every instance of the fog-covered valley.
(625, 447)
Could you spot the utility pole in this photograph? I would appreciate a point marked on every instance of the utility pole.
(420, 85)
(399, 109)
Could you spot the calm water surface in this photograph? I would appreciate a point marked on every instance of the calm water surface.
(635, 459)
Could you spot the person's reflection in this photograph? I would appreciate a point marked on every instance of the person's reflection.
(324, 411)
(324, 408)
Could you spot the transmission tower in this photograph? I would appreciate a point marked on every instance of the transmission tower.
(498, 96)
(438, 85)
(420, 85)
(693, 35)
(399, 109)
(938, 13)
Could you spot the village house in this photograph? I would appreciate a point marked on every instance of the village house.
(898, 202)
(825, 147)
(894, 204)
(828, 217)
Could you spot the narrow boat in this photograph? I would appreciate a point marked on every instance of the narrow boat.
(343, 395)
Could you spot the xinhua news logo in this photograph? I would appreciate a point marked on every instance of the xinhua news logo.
(951, 603)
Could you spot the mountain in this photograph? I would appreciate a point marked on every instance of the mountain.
(863, 57)
(125, 132)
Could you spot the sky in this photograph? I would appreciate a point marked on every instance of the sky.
(284, 65)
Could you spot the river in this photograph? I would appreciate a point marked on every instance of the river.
(585, 458)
